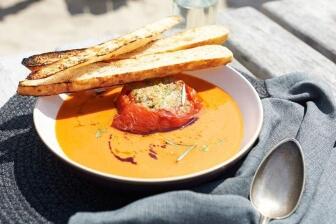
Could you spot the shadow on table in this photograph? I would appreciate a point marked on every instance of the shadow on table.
(39, 185)
(15, 8)
(95, 7)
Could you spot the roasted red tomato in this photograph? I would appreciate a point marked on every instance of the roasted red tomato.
(155, 106)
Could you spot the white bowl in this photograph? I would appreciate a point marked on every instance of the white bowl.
(225, 77)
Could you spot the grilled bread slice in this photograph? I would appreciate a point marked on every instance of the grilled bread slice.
(204, 35)
(102, 74)
(109, 49)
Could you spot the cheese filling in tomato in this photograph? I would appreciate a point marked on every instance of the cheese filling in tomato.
(156, 105)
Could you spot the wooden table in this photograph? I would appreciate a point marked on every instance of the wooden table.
(286, 36)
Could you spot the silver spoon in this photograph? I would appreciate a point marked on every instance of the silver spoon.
(278, 183)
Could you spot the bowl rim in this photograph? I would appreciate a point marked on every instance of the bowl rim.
(243, 150)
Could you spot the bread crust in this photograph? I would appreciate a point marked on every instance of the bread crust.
(162, 65)
(36, 62)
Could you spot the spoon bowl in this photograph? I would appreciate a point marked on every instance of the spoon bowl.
(279, 181)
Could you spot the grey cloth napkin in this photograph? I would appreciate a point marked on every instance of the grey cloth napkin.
(295, 106)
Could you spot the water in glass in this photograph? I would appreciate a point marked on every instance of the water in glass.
(195, 12)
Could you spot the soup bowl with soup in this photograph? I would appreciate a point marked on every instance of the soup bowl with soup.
(78, 129)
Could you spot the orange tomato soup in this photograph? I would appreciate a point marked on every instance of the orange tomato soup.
(85, 134)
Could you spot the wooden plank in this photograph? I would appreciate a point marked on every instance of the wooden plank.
(313, 21)
(11, 72)
(240, 68)
(268, 50)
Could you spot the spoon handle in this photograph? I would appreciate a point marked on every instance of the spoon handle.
(264, 220)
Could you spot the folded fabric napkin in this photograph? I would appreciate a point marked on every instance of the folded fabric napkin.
(36, 187)
(296, 107)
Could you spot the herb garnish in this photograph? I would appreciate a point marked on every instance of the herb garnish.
(205, 148)
(219, 142)
(183, 95)
(100, 132)
(185, 153)
(176, 144)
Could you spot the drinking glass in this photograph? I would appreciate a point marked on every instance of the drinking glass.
(195, 12)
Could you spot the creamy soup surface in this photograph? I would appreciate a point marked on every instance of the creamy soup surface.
(84, 132)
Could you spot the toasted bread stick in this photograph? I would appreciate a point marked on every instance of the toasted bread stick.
(101, 74)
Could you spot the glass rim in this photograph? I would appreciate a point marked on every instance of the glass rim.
(190, 6)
